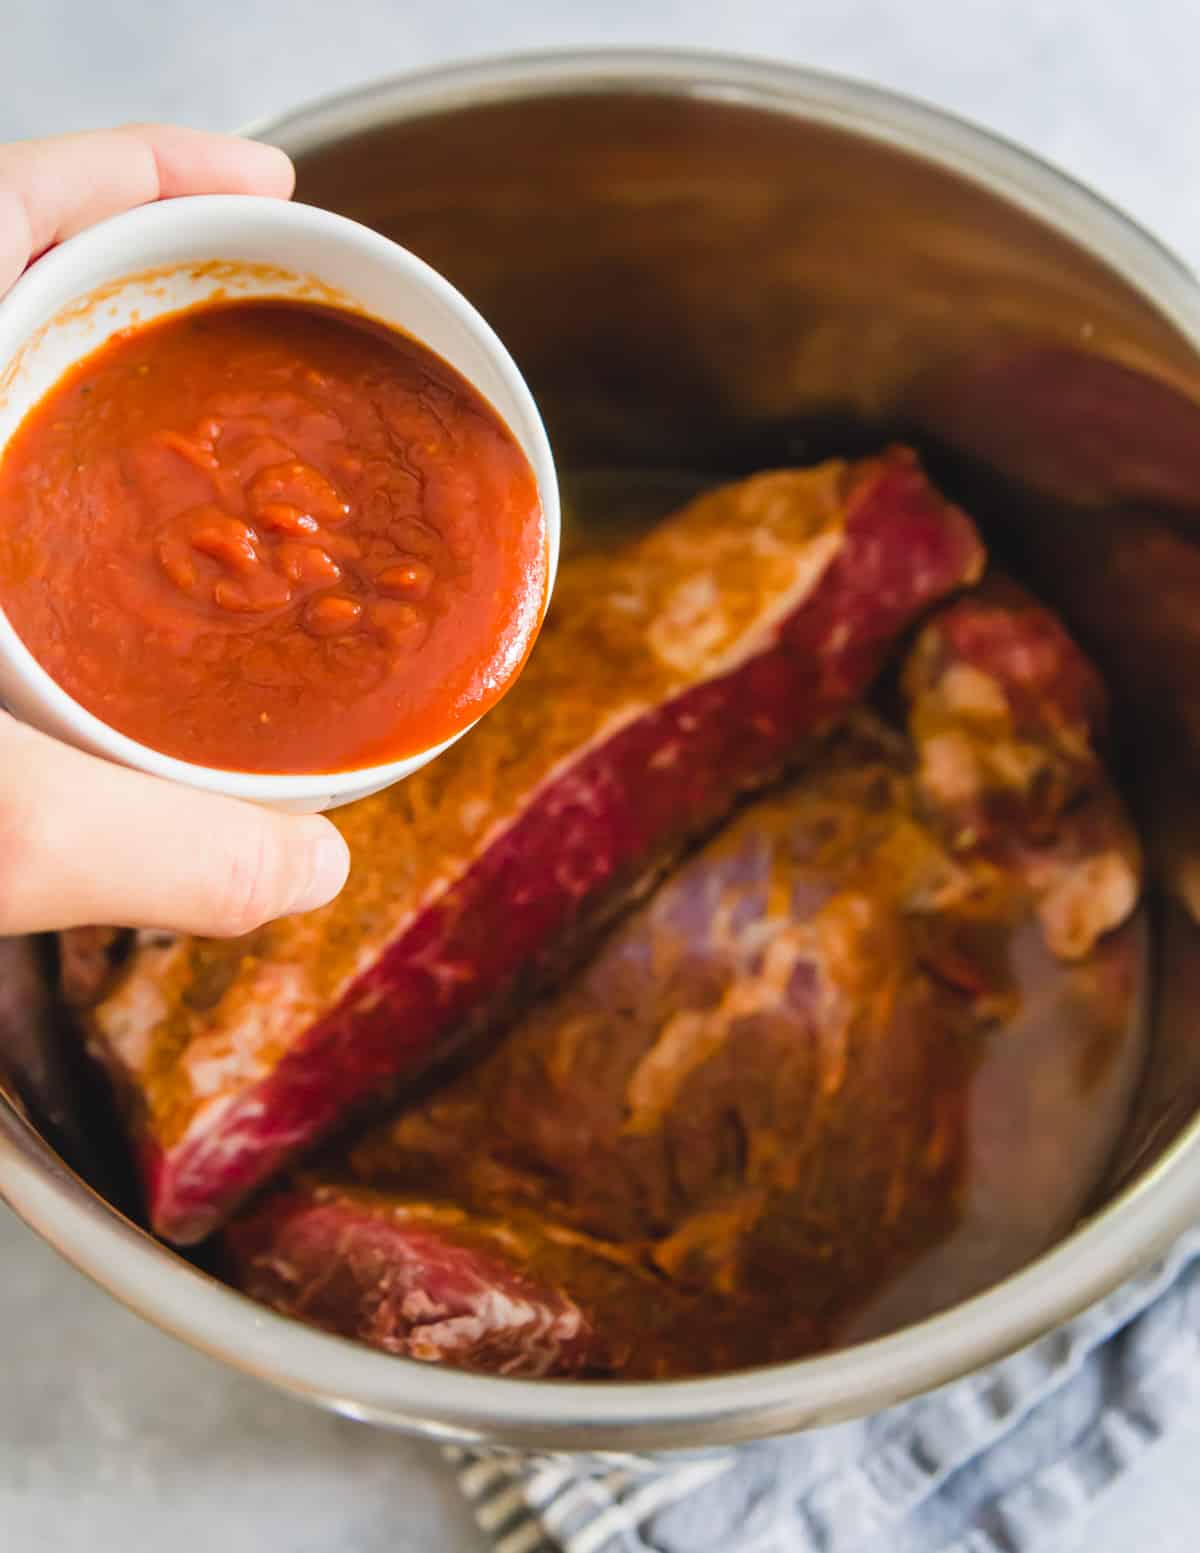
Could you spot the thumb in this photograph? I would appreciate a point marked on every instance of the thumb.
(85, 842)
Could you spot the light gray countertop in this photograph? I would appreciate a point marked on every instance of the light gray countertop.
(112, 1436)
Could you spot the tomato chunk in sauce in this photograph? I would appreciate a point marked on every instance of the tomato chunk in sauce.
(272, 537)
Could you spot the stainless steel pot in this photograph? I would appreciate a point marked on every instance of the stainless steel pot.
(705, 262)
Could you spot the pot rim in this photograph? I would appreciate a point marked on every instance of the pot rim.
(1110, 1247)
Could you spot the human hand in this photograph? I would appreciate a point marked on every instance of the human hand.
(82, 841)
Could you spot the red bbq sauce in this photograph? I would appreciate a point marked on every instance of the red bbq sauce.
(272, 537)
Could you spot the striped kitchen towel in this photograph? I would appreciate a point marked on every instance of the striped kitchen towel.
(1005, 1461)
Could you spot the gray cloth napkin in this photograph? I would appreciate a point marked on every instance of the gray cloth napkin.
(1005, 1461)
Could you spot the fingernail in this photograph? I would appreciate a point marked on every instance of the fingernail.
(329, 864)
(270, 169)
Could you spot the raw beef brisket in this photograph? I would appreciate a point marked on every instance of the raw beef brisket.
(748, 1110)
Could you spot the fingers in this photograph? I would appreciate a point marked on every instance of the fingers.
(191, 161)
(50, 189)
(85, 842)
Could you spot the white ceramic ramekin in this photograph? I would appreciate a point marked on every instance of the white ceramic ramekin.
(161, 258)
